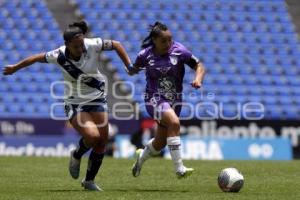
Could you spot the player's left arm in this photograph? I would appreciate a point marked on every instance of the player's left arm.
(129, 67)
(113, 45)
(194, 63)
(199, 68)
(118, 47)
(199, 75)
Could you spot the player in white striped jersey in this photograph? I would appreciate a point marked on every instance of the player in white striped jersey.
(85, 99)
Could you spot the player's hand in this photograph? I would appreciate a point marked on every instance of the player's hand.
(9, 69)
(131, 70)
(196, 84)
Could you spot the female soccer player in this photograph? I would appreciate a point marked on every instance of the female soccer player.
(164, 59)
(85, 99)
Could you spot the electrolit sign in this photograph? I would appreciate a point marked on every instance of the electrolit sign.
(49, 146)
(220, 149)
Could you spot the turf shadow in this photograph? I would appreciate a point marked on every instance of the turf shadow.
(65, 190)
(146, 190)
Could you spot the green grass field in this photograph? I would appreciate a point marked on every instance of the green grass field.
(35, 178)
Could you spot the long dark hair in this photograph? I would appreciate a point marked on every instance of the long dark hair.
(154, 31)
(74, 30)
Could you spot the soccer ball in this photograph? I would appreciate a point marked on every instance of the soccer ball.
(230, 180)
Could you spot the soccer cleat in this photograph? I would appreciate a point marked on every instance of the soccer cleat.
(90, 185)
(74, 166)
(136, 168)
(185, 173)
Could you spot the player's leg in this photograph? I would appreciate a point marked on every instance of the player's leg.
(171, 121)
(156, 144)
(82, 147)
(153, 148)
(160, 139)
(85, 125)
(98, 151)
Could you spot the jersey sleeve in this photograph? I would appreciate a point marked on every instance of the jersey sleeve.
(96, 44)
(140, 59)
(51, 56)
(188, 58)
(107, 45)
(99, 44)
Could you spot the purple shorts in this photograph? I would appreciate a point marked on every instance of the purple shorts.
(156, 106)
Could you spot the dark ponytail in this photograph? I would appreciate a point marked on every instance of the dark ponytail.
(74, 30)
(154, 31)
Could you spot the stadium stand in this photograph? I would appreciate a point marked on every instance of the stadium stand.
(249, 47)
(250, 50)
(27, 27)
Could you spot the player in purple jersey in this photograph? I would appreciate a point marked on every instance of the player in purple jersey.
(164, 60)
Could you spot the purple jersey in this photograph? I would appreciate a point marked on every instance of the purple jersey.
(164, 74)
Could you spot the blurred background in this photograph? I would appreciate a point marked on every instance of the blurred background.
(248, 108)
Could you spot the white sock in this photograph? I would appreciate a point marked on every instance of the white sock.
(175, 151)
(148, 152)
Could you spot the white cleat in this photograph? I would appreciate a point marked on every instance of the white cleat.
(185, 173)
(136, 168)
(74, 166)
(90, 185)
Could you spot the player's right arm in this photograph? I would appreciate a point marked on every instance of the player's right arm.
(138, 64)
(132, 69)
(11, 69)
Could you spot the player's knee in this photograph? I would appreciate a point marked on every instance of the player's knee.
(174, 124)
(93, 139)
(159, 146)
(100, 148)
(103, 136)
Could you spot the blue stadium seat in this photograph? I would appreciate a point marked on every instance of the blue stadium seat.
(15, 109)
(250, 48)
(29, 108)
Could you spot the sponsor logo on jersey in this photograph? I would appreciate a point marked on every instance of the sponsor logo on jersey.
(173, 60)
(151, 62)
(163, 70)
